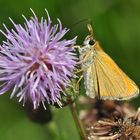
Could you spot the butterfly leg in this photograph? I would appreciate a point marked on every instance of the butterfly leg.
(78, 71)
(77, 84)
(76, 47)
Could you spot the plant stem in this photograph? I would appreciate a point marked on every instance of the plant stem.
(77, 121)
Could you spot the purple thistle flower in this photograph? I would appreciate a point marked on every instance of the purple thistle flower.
(36, 62)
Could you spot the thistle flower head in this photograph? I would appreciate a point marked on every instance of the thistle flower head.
(36, 61)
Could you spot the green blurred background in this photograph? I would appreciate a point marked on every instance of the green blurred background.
(117, 27)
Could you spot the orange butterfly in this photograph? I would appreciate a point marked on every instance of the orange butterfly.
(102, 77)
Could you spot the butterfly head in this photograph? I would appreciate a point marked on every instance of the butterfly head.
(90, 39)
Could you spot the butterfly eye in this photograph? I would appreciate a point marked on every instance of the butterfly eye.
(91, 42)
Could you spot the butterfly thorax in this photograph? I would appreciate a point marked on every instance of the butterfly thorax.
(87, 55)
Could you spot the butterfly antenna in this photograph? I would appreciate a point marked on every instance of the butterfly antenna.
(78, 22)
(89, 26)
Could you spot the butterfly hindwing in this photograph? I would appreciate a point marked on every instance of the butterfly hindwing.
(90, 81)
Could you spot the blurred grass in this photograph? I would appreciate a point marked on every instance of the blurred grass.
(117, 27)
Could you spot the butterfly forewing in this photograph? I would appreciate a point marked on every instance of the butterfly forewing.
(112, 81)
